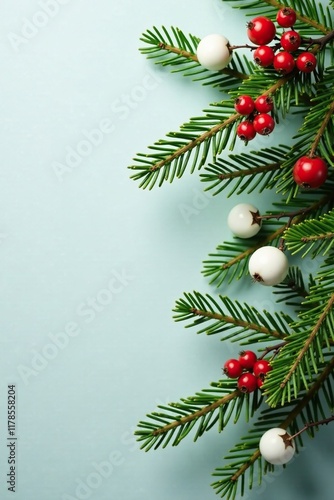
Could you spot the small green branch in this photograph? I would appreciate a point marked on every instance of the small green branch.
(194, 143)
(250, 171)
(237, 322)
(316, 237)
(197, 414)
(309, 341)
(309, 395)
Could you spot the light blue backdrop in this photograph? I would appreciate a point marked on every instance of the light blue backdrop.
(91, 265)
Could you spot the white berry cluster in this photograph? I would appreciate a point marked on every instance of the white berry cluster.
(268, 265)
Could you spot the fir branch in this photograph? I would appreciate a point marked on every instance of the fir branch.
(310, 340)
(245, 171)
(305, 348)
(191, 144)
(205, 409)
(237, 321)
(316, 235)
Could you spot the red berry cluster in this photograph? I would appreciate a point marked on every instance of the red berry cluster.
(261, 31)
(258, 120)
(249, 371)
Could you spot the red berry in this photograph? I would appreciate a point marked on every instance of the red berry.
(232, 368)
(290, 41)
(284, 62)
(286, 17)
(263, 124)
(264, 56)
(261, 30)
(246, 131)
(247, 382)
(261, 368)
(306, 62)
(310, 172)
(260, 382)
(244, 105)
(264, 104)
(247, 359)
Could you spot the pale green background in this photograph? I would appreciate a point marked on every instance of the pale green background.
(66, 238)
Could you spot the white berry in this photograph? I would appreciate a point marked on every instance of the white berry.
(268, 266)
(276, 447)
(213, 52)
(242, 220)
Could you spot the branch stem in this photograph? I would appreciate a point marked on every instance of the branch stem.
(325, 421)
(197, 414)
(237, 322)
(321, 130)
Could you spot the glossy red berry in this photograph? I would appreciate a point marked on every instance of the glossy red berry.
(284, 62)
(247, 359)
(290, 41)
(286, 17)
(264, 56)
(232, 368)
(306, 62)
(261, 368)
(261, 30)
(244, 105)
(246, 131)
(263, 124)
(264, 104)
(247, 382)
(310, 172)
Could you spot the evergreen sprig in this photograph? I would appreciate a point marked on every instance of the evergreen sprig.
(199, 413)
(246, 172)
(237, 322)
(314, 236)
(305, 349)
